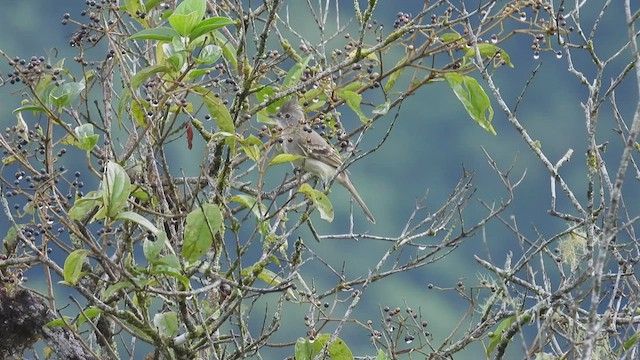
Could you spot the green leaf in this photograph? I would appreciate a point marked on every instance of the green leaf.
(630, 342)
(320, 200)
(85, 205)
(6, 160)
(252, 151)
(187, 15)
(175, 57)
(283, 158)
(382, 109)
(307, 350)
(399, 69)
(59, 322)
(209, 55)
(269, 277)
(497, 335)
(86, 138)
(139, 113)
(489, 51)
(218, 111)
(10, 240)
(293, 76)
(160, 269)
(72, 271)
(228, 50)
(451, 37)
(202, 225)
(249, 202)
(116, 187)
(153, 248)
(64, 94)
(142, 75)
(112, 289)
(208, 25)
(170, 261)
(353, 100)
(166, 323)
(89, 313)
(151, 4)
(138, 219)
(473, 98)
(34, 108)
(381, 355)
(160, 33)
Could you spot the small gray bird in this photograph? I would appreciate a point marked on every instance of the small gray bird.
(320, 158)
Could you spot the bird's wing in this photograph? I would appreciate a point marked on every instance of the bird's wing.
(316, 147)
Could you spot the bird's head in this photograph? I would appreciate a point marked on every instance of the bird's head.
(289, 114)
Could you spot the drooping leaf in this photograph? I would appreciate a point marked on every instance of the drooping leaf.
(116, 187)
(320, 200)
(353, 100)
(473, 98)
(382, 109)
(166, 323)
(86, 138)
(202, 225)
(64, 94)
(218, 111)
(72, 270)
(138, 219)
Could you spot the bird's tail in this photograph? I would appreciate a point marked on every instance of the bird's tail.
(344, 180)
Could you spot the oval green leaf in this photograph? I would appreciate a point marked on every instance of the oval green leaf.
(320, 200)
(72, 271)
(161, 33)
(202, 225)
(116, 187)
(283, 158)
(473, 98)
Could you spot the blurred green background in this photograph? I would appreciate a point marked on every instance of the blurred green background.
(433, 143)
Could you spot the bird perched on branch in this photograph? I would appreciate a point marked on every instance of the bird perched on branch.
(320, 157)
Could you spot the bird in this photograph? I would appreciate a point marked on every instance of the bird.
(319, 156)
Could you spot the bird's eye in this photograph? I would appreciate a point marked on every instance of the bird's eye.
(287, 115)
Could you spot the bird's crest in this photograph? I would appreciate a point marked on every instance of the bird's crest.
(290, 106)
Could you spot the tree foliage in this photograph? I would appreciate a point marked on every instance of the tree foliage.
(182, 262)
